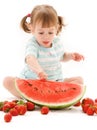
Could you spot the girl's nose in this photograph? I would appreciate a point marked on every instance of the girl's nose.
(46, 35)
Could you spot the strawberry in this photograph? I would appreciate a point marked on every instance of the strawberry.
(7, 117)
(44, 110)
(6, 107)
(85, 107)
(30, 106)
(77, 104)
(12, 104)
(90, 111)
(22, 109)
(95, 107)
(96, 100)
(13, 112)
(87, 101)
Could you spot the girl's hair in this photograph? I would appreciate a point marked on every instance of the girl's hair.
(45, 15)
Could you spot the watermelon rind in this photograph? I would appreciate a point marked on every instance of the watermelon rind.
(53, 105)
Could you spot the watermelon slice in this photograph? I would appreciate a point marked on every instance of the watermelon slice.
(55, 95)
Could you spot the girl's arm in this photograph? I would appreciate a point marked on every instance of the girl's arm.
(73, 56)
(34, 66)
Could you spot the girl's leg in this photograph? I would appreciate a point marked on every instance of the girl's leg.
(9, 84)
(76, 80)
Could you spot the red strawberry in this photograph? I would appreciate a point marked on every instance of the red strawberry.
(7, 117)
(85, 107)
(90, 110)
(30, 106)
(21, 109)
(12, 104)
(13, 112)
(96, 100)
(6, 107)
(44, 110)
(95, 107)
(77, 104)
(87, 101)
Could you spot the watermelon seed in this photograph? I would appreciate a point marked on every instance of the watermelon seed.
(27, 83)
(64, 90)
(49, 91)
(73, 88)
(35, 88)
(57, 91)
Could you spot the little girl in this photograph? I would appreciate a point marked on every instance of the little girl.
(44, 51)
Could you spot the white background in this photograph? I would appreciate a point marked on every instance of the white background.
(78, 36)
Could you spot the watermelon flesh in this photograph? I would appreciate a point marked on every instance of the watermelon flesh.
(55, 95)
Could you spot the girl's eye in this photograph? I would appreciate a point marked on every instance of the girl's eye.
(41, 33)
(50, 32)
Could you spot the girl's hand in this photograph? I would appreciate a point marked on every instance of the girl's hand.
(42, 75)
(77, 56)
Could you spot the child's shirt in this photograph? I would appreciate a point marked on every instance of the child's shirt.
(48, 58)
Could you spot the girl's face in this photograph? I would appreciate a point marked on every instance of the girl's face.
(44, 36)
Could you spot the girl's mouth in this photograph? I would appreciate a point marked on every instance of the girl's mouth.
(45, 42)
